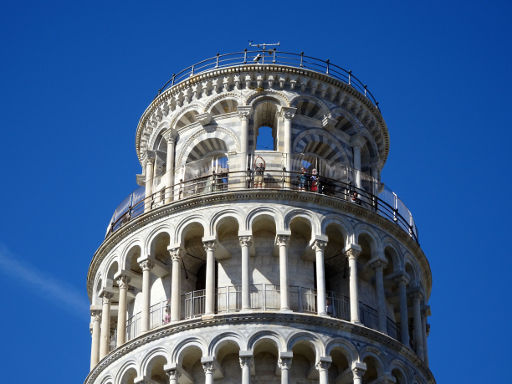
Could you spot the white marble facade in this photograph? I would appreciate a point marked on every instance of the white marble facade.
(219, 277)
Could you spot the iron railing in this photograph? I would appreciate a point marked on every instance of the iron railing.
(262, 297)
(271, 57)
(387, 205)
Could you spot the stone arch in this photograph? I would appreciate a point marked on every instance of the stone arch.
(272, 336)
(146, 363)
(411, 269)
(157, 133)
(178, 121)
(322, 109)
(112, 267)
(371, 233)
(182, 226)
(341, 223)
(229, 137)
(128, 249)
(107, 380)
(305, 214)
(275, 214)
(329, 148)
(226, 104)
(397, 368)
(223, 338)
(128, 371)
(153, 235)
(310, 338)
(280, 97)
(346, 346)
(390, 251)
(223, 96)
(189, 342)
(217, 218)
(374, 353)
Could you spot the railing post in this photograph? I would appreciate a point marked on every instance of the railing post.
(245, 56)
(301, 60)
(365, 90)
(192, 71)
(327, 62)
(274, 56)
(349, 77)
(217, 61)
(173, 78)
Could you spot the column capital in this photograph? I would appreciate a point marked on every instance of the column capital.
(122, 281)
(170, 135)
(358, 369)
(245, 360)
(175, 252)
(95, 315)
(352, 250)
(244, 111)
(377, 262)
(149, 156)
(319, 245)
(357, 141)
(402, 278)
(245, 241)
(173, 374)
(284, 362)
(287, 112)
(106, 295)
(208, 363)
(146, 265)
(282, 239)
(209, 245)
(324, 363)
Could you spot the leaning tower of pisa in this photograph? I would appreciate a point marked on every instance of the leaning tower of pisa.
(262, 245)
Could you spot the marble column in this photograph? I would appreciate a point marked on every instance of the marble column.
(173, 375)
(175, 283)
(245, 243)
(146, 266)
(404, 315)
(122, 283)
(209, 247)
(323, 369)
(282, 241)
(358, 370)
(321, 297)
(149, 164)
(244, 112)
(288, 113)
(424, 326)
(105, 324)
(352, 251)
(245, 364)
(285, 363)
(418, 333)
(357, 143)
(95, 337)
(170, 137)
(378, 267)
(209, 369)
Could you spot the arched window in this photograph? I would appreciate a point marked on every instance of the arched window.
(265, 139)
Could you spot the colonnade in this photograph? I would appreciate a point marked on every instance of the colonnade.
(101, 333)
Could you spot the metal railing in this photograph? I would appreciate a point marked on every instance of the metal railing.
(271, 57)
(262, 297)
(387, 204)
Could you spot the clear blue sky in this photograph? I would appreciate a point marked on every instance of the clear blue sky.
(76, 76)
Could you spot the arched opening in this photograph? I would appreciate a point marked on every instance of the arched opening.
(265, 361)
(336, 273)
(194, 271)
(155, 370)
(228, 256)
(339, 371)
(367, 289)
(227, 357)
(266, 125)
(301, 262)
(264, 292)
(190, 361)
(303, 363)
(392, 293)
(129, 376)
(224, 106)
(372, 370)
(399, 376)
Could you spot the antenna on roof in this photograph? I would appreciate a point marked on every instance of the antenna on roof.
(264, 45)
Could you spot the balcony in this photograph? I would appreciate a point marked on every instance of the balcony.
(371, 195)
(263, 297)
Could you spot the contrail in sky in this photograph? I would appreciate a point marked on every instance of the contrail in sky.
(57, 292)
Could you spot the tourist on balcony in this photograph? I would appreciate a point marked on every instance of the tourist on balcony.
(259, 181)
(314, 180)
(302, 179)
(167, 316)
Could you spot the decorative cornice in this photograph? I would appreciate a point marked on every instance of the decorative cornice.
(249, 195)
(174, 91)
(302, 321)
